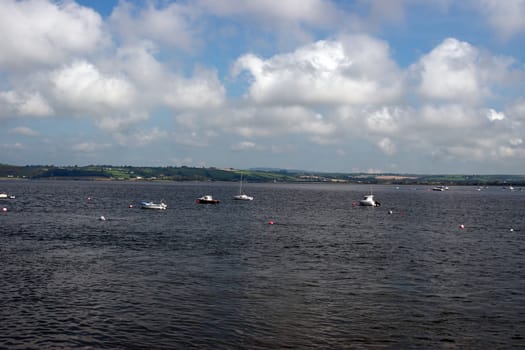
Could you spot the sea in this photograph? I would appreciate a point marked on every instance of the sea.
(302, 266)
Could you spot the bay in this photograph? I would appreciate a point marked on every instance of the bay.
(325, 274)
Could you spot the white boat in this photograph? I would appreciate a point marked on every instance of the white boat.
(151, 205)
(241, 196)
(6, 196)
(369, 201)
(440, 188)
(207, 199)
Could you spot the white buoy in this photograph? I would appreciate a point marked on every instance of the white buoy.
(4, 209)
(102, 218)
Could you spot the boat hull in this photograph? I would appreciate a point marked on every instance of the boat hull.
(208, 201)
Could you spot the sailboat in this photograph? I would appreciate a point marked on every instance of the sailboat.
(241, 196)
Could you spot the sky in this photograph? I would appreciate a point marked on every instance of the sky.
(389, 86)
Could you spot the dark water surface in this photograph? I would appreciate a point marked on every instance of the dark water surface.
(326, 275)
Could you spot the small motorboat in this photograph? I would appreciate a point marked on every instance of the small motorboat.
(151, 205)
(440, 188)
(6, 196)
(369, 201)
(207, 199)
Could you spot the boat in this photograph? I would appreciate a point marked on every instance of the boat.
(241, 196)
(369, 201)
(207, 199)
(6, 196)
(151, 205)
(440, 188)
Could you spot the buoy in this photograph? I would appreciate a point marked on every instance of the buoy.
(102, 218)
(390, 212)
(271, 222)
(4, 209)
(461, 226)
(130, 206)
(511, 230)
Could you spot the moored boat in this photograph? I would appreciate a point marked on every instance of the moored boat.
(151, 205)
(369, 201)
(207, 199)
(242, 196)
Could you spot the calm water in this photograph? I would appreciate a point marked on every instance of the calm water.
(326, 275)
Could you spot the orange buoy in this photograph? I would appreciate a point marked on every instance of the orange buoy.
(271, 222)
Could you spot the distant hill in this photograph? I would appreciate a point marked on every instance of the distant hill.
(184, 173)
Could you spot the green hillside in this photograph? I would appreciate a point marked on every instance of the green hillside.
(184, 173)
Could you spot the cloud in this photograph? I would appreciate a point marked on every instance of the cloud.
(89, 147)
(45, 32)
(140, 137)
(387, 146)
(17, 146)
(24, 131)
(356, 70)
(244, 146)
(160, 86)
(493, 115)
(506, 17)
(458, 71)
(172, 25)
(313, 12)
(30, 104)
(80, 88)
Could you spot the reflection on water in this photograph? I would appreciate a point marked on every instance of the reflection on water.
(326, 274)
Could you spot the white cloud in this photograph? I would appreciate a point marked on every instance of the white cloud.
(160, 86)
(89, 147)
(17, 146)
(45, 32)
(30, 104)
(244, 146)
(493, 115)
(458, 71)
(111, 100)
(517, 109)
(384, 121)
(171, 25)
(387, 146)
(82, 86)
(315, 12)
(356, 70)
(507, 17)
(24, 131)
(202, 90)
(138, 137)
